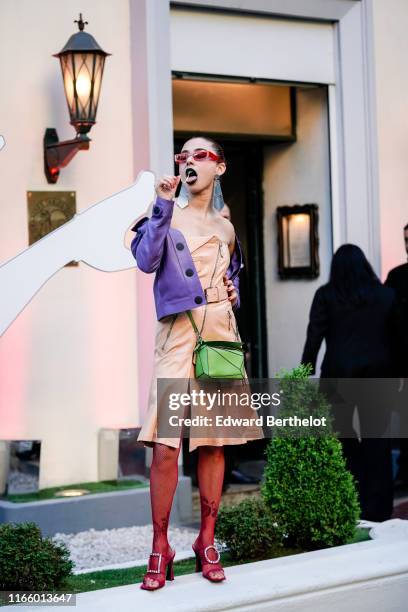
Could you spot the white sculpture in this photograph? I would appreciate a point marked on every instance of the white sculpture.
(94, 236)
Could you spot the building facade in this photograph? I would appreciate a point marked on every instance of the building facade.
(319, 118)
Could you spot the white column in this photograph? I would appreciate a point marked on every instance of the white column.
(152, 134)
(152, 110)
(352, 108)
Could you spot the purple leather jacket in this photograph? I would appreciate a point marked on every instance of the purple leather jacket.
(159, 248)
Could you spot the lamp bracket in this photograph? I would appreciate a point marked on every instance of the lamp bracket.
(58, 154)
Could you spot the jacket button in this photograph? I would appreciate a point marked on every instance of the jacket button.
(180, 246)
(189, 272)
(156, 210)
(198, 299)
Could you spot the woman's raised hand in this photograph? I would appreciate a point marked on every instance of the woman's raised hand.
(232, 292)
(166, 186)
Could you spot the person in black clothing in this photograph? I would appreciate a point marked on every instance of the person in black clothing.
(398, 279)
(355, 314)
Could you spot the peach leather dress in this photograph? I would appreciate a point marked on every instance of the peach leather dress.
(175, 340)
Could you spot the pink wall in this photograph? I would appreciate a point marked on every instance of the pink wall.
(391, 52)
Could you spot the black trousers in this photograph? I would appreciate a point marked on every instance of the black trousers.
(403, 441)
(370, 462)
(369, 458)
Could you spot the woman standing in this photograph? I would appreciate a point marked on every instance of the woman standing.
(197, 258)
(357, 316)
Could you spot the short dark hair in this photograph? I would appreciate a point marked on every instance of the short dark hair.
(406, 227)
(217, 147)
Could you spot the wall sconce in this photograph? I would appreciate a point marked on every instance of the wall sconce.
(82, 62)
(298, 241)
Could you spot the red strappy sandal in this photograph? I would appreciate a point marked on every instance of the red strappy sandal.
(164, 567)
(203, 559)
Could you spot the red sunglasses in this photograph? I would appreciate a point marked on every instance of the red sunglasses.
(181, 158)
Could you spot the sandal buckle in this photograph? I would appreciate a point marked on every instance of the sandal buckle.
(154, 571)
(216, 550)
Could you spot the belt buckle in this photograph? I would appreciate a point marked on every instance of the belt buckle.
(212, 294)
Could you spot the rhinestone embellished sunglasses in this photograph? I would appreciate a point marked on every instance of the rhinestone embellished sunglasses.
(181, 158)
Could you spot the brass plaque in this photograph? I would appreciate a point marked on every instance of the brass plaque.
(47, 210)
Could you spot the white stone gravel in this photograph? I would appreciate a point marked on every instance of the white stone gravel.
(122, 547)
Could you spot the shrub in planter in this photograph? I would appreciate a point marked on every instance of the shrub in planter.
(306, 484)
(29, 562)
(249, 529)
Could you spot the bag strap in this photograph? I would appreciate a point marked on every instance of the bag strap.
(190, 316)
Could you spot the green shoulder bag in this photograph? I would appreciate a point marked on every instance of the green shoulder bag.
(217, 358)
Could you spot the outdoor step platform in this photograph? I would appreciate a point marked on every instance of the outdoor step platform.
(365, 576)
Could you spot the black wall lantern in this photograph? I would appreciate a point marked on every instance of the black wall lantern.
(82, 61)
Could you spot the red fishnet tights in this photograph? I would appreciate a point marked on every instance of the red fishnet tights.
(163, 483)
(210, 473)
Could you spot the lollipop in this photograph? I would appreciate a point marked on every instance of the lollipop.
(190, 176)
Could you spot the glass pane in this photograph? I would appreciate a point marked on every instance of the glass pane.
(20, 466)
(232, 108)
(68, 77)
(83, 83)
(98, 71)
(296, 233)
(132, 454)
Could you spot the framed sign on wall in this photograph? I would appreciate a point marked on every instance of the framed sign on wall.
(298, 241)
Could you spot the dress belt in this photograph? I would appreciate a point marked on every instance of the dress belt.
(216, 293)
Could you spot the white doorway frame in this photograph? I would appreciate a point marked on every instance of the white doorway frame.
(353, 138)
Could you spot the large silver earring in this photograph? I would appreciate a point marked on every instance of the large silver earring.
(217, 197)
(182, 200)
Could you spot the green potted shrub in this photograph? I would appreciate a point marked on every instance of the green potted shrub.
(249, 529)
(29, 562)
(306, 483)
